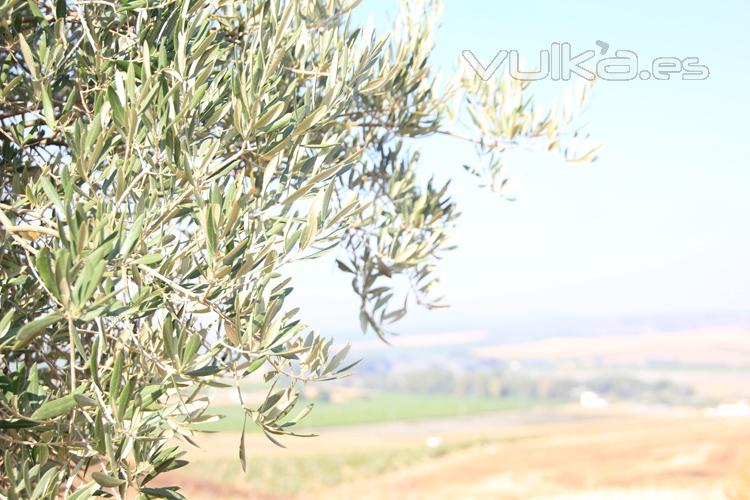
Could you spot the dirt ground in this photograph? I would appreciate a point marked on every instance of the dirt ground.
(568, 455)
(619, 458)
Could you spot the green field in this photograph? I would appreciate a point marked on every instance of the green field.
(378, 407)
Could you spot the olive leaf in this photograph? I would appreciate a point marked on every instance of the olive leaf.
(166, 165)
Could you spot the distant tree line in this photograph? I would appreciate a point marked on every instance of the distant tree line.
(503, 383)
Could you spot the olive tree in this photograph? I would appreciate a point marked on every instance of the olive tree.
(163, 162)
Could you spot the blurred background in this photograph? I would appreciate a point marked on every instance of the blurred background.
(598, 339)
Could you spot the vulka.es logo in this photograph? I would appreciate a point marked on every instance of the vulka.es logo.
(559, 63)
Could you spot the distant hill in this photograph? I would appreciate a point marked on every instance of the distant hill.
(721, 346)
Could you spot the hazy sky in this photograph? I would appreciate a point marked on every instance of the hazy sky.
(657, 226)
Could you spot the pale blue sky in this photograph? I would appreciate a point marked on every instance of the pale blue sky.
(657, 226)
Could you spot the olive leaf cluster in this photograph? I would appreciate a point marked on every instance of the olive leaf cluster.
(163, 162)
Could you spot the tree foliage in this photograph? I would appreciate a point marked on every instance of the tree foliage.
(162, 164)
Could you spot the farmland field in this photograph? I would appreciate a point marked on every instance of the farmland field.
(387, 443)
(555, 452)
(378, 407)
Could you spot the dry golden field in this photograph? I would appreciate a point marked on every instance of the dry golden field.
(567, 453)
